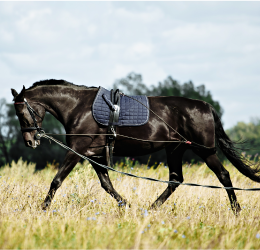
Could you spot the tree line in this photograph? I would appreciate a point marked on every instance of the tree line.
(12, 145)
(248, 137)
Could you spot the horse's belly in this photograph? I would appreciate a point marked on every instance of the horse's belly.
(136, 149)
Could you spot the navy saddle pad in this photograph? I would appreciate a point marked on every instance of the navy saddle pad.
(132, 113)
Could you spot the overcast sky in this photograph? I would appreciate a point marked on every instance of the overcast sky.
(95, 43)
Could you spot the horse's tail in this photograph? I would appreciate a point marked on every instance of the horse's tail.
(232, 153)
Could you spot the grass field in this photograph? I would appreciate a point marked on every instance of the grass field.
(83, 215)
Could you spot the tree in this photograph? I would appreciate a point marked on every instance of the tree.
(4, 157)
(133, 84)
(249, 133)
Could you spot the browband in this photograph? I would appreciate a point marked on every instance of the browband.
(19, 103)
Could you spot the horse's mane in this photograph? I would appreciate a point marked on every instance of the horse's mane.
(53, 82)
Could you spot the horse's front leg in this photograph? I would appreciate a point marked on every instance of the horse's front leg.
(68, 164)
(105, 180)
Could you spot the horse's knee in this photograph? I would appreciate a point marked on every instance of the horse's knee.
(175, 177)
(56, 183)
(224, 178)
(225, 175)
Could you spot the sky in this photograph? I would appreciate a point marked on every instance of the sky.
(95, 43)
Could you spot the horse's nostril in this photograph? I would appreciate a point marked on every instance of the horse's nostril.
(29, 143)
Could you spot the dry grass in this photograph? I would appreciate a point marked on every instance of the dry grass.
(83, 215)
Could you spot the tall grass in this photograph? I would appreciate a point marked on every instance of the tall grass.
(83, 215)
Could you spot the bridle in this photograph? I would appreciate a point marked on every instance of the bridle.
(32, 112)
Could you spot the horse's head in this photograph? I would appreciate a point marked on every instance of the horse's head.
(30, 115)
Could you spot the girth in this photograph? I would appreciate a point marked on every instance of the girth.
(114, 109)
(114, 105)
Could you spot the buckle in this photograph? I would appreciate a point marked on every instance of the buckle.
(113, 130)
(39, 134)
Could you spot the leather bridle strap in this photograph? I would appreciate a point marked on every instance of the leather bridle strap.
(32, 113)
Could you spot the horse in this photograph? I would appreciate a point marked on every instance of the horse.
(180, 118)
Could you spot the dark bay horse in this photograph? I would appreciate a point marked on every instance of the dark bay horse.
(193, 120)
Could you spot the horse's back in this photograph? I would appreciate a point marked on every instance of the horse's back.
(192, 118)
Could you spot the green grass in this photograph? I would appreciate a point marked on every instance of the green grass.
(83, 215)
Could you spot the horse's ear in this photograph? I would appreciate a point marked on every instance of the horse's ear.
(20, 97)
(22, 92)
(14, 93)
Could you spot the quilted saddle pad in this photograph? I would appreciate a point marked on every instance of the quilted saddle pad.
(132, 113)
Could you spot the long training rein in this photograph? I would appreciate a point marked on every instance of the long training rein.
(40, 133)
(140, 177)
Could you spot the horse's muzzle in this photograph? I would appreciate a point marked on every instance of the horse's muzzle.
(30, 141)
(33, 144)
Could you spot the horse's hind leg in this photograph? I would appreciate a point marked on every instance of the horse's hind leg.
(223, 175)
(174, 160)
(105, 180)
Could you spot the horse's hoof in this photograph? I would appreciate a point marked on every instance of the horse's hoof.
(237, 211)
(45, 205)
(155, 206)
(123, 204)
(236, 208)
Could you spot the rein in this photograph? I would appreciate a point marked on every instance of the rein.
(156, 116)
(140, 177)
(40, 133)
(129, 137)
(40, 130)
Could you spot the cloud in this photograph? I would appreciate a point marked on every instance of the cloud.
(94, 43)
(139, 51)
(149, 15)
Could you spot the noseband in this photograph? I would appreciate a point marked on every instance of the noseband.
(32, 113)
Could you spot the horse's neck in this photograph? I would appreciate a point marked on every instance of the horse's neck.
(58, 103)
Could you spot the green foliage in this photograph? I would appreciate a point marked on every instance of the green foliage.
(131, 84)
(249, 133)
